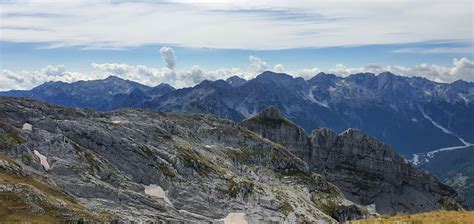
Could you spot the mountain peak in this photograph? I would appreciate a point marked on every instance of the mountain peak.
(355, 134)
(113, 77)
(388, 75)
(205, 84)
(163, 85)
(273, 117)
(269, 75)
(322, 78)
(235, 81)
(270, 112)
(271, 124)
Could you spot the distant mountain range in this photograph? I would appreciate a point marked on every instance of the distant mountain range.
(103, 95)
(412, 114)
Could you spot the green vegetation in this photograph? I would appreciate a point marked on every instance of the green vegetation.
(166, 171)
(436, 217)
(329, 207)
(148, 152)
(449, 204)
(10, 139)
(244, 155)
(18, 206)
(202, 165)
(243, 144)
(89, 158)
(233, 188)
(25, 157)
(286, 208)
(249, 133)
(236, 187)
(302, 177)
(463, 180)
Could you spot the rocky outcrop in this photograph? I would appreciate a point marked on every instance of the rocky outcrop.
(148, 166)
(271, 124)
(28, 195)
(368, 171)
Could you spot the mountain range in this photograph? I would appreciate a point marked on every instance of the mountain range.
(428, 123)
(139, 165)
(412, 114)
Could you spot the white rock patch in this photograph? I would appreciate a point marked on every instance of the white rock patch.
(27, 127)
(118, 120)
(235, 218)
(43, 160)
(156, 191)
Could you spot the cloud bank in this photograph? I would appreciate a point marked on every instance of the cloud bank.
(261, 24)
(461, 68)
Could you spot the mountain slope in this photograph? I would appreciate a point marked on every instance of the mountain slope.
(366, 170)
(412, 114)
(455, 168)
(140, 165)
(389, 107)
(107, 94)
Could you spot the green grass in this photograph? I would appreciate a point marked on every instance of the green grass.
(25, 157)
(166, 171)
(436, 217)
(234, 187)
(10, 139)
(286, 208)
(14, 208)
(201, 164)
(147, 151)
(89, 158)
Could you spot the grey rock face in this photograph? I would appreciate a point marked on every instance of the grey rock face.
(365, 169)
(207, 167)
(279, 129)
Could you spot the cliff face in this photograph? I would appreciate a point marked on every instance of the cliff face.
(271, 124)
(138, 165)
(368, 171)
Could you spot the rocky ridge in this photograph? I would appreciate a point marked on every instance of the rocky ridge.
(412, 114)
(139, 165)
(368, 171)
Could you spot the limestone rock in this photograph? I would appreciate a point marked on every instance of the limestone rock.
(365, 169)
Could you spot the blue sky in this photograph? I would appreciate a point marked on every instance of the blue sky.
(33, 56)
(79, 40)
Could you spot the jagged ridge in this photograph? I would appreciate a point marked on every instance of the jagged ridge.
(367, 170)
(207, 167)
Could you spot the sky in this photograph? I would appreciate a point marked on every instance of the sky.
(183, 42)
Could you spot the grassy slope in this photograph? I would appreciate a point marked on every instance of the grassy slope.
(437, 217)
(17, 207)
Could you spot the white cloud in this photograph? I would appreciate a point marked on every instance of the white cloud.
(279, 68)
(168, 56)
(462, 68)
(226, 24)
(28, 79)
(257, 65)
(51, 70)
(140, 73)
(342, 70)
(306, 73)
